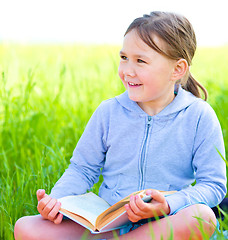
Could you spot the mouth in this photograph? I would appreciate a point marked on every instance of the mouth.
(131, 84)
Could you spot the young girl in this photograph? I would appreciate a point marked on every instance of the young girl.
(158, 134)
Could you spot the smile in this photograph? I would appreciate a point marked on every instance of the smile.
(133, 84)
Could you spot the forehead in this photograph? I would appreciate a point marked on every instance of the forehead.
(133, 42)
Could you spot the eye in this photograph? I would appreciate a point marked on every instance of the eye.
(140, 61)
(123, 57)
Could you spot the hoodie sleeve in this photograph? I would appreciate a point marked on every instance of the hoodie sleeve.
(208, 165)
(86, 162)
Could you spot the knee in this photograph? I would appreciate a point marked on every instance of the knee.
(22, 229)
(204, 214)
(203, 219)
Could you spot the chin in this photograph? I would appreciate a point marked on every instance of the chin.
(134, 98)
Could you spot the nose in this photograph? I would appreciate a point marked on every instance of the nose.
(128, 70)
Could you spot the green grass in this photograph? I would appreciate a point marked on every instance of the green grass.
(47, 95)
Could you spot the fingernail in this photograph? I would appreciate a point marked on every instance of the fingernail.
(149, 192)
(131, 197)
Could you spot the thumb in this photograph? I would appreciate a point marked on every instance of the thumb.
(40, 194)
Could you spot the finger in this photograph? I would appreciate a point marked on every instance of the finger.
(54, 211)
(48, 207)
(141, 205)
(157, 196)
(131, 216)
(59, 218)
(43, 202)
(40, 194)
(149, 192)
(134, 207)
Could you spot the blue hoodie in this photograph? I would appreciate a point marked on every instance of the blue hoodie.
(168, 151)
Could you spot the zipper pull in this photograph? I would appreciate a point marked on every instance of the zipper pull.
(149, 120)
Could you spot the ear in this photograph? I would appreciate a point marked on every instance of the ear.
(179, 70)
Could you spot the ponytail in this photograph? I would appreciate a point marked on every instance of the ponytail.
(194, 87)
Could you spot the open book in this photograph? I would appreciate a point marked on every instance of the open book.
(96, 214)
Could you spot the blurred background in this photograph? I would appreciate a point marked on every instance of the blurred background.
(102, 21)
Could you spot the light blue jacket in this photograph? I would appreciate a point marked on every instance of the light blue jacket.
(168, 151)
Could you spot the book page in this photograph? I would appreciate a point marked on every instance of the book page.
(78, 219)
(118, 209)
(119, 221)
(87, 205)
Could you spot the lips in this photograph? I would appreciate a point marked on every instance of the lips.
(131, 84)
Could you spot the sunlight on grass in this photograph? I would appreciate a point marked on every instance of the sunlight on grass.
(47, 95)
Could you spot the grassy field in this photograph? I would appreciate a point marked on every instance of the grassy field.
(47, 95)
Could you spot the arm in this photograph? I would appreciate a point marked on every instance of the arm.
(87, 160)
(209, 167)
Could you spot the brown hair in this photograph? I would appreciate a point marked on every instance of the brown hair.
(178, 34)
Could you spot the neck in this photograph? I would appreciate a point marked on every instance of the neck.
(154, 107)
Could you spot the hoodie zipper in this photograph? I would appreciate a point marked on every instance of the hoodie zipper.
(143, 154)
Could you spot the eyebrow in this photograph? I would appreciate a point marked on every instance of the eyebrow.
(122, 53)
(136, 55)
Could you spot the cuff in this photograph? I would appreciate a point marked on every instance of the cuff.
(176, 202)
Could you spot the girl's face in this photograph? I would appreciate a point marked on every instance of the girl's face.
(146, 74)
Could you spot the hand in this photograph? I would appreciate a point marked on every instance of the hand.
(48, 207)
(137, 209)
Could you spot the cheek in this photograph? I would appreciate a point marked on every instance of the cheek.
(120, 72)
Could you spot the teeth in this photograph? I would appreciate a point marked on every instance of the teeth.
(133, 84)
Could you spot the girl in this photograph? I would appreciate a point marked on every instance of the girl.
(159, 134)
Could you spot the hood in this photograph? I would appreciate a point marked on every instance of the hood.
(182, 100)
